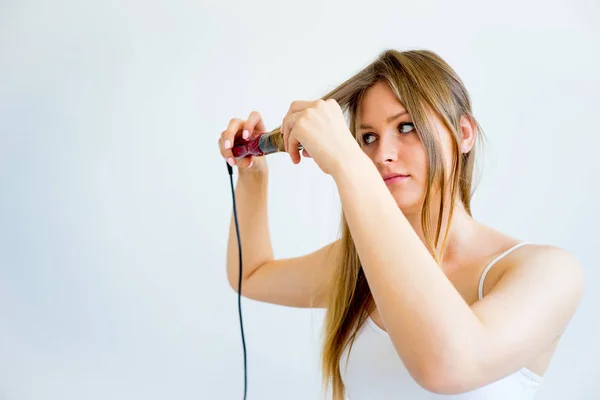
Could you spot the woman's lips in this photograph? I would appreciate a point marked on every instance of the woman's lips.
(397, 178)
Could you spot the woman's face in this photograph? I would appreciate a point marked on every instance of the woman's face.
(387, 136)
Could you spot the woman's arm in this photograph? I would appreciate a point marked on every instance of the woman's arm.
(446, 345)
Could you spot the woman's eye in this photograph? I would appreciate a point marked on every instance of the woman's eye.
(365, 138)
(406, 127)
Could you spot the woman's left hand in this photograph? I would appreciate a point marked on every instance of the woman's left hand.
(321, 128)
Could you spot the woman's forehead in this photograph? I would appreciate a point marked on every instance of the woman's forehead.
(378, 104)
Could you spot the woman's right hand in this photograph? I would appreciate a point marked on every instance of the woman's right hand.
(245, 129)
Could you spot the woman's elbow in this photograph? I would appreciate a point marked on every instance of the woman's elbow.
(447, 378)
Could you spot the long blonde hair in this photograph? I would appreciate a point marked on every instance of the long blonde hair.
(425, 84)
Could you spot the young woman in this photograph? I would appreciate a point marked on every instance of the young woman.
(421, 299)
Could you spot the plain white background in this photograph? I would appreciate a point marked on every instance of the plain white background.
(115, 203)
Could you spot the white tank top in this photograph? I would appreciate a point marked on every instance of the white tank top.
(375, 371)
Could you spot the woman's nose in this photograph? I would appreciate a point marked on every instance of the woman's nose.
(387, 150)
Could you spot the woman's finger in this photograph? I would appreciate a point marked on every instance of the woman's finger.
(244, 162)
(293, 148)
(253, 124)
(295, 108)
(284, 133)
(228, 138)
(286, 127)
(300, 105)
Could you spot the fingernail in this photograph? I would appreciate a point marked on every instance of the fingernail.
(227, 144)
(251, 162)
(246, 134)
(230, 161)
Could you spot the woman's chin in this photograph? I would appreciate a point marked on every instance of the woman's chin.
(408, 203)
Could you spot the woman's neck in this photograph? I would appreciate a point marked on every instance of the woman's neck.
(462, 230)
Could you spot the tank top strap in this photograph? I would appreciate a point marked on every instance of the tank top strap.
(491, 264)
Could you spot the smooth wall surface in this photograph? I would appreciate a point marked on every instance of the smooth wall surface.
(115, 203)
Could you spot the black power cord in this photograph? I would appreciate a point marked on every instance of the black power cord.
(237, 229)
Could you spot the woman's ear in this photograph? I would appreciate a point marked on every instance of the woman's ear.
(468, 131)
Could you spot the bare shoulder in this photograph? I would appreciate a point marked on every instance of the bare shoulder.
(542, 262)
(545, 260)
(545, 272)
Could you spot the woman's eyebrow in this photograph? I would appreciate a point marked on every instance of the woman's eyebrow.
(390, 119)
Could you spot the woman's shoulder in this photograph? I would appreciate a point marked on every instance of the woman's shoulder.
(521, 252)
(536, 264)
(546, 261)
(516, 256)
(539, 252)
